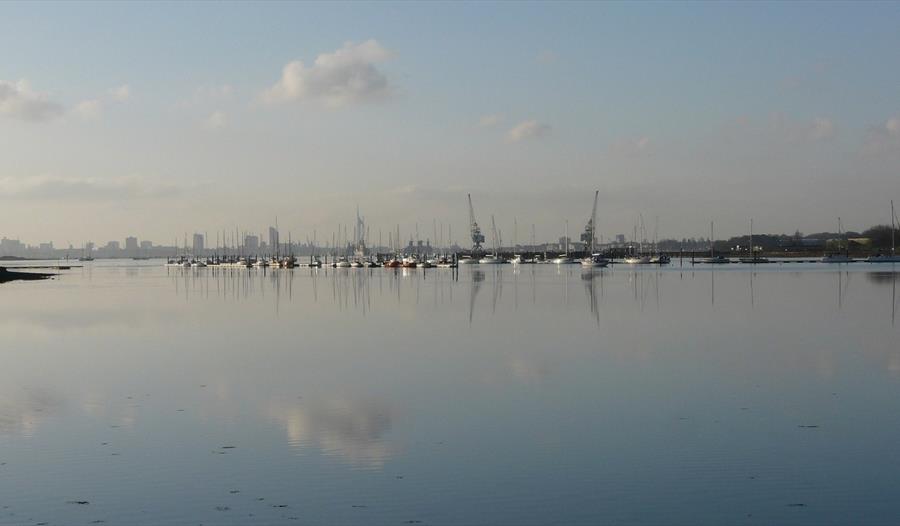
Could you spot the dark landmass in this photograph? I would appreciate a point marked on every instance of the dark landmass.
(9, 275)
(12, 258)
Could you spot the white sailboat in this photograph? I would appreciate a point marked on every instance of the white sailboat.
(565, 259)
(892, 257)
(492, 259)
(639, 258)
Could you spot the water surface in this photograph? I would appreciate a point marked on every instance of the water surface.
(135, 394)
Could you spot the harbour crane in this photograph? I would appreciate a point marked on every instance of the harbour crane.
(589, 231)
(477, 236)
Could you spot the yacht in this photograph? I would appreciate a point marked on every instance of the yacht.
(446, 262)
(564, 258)
(636, 260)
(883, 258)
(490, 259)
(892, 257)
(753, 259)
(467, 260)
(713, 259)
(596, 261)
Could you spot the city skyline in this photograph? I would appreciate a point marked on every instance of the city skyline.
(688, 113)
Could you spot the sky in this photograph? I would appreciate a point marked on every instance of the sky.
(160, 119)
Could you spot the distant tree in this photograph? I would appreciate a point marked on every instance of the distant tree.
(881, 235)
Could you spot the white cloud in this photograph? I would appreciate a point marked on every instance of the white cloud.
(18, 101)
(342, 77)
(489, 121)
(216, 120)
(883, 138)
(821, 129)
(528, 130)
(88, 109)
(631, 146)
(55, 188)
(794, 131)
(120, 93)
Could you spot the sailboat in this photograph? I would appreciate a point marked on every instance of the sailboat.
(639, 258)
(753, 259)
(492, 259)
(892, 257)
(713, 259)
(564, 259)
(593, 259)
(838, 257)
(85, 257)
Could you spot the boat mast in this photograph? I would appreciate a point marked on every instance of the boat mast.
(751, 239)
(594, 221)
(893, 227)
(515, 234)
(641, 242)
(494, 235)
(712, 243)
(532, 239)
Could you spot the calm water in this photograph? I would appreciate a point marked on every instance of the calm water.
(495, 396)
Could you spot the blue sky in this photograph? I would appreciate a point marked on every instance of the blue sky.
(687, 111)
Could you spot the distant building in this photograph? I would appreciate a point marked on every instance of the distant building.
(251, 243)
(198, 243)
(112, 246)
(146, 245)
(10, 247)
(273, 237)
(131, 244)
(620, 239)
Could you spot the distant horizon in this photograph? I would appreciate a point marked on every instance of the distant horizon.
(464, 244)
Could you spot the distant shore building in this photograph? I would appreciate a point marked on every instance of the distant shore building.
(251, 243)
(131, 244)
(273, 237)
(198, 243)
(10, 247)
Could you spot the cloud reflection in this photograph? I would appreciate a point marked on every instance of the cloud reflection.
(351, 429)
(22, 411)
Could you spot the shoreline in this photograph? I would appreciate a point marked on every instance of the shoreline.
(9, 275)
